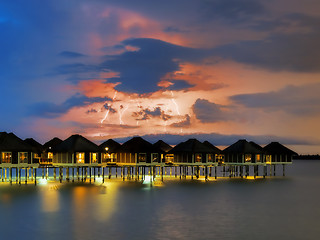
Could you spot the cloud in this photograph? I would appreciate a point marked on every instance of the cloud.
(296, 100)
(184, 123)
(141, 70)
(207, 111)
(148, 114)
(233, 11)
(68, 54)
(52, 110)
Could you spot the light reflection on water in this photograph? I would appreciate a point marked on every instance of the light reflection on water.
(272, 208)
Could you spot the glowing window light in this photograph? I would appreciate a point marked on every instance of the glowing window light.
(80, 157)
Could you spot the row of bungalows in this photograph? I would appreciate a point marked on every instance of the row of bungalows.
(249, 153)
(77, 150)
(15, 152)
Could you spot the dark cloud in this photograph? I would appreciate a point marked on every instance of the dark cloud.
(297, 100)
(179, 85)
(184, 123)
(92, 110)
(145, 114)
(68, 54)
(52, 110)
(78, 68)
(288, 52)
(233, 11)
(141, 70)
(207, 111)
(109, 107)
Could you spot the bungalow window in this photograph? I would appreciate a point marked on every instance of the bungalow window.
(107, 157)
(50, 155)
(155, 157)
(6, 157)
(210, 158)
(23, 157)
(169, 158)
(80, 157)
(198, 157)
(268, 159)
(248, 157)
(94, 158)
(258, 158)
(142, 157)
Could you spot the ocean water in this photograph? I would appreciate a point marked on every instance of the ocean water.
(272, 208)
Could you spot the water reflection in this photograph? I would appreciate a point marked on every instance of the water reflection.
(50, 199)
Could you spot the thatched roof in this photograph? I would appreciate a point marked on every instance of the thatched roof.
(214, 148)
(11, 143)
(52, 143)
(137, 145)
(112, 146)
(277, 148)
(242, 146)
(162, 147)
(191, 146)
(76, 143)
(36, 147)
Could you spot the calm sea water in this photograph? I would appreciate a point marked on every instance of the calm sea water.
(273, 208)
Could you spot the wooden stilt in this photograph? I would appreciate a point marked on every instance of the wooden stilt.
(274, 170)
(102, 171)
(283, 170)
(26, 175)
(55, 173)
(35, 176)
(10, 175)
(215, 172)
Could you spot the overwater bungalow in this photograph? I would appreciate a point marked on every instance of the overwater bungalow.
(137, 151)
(76, 150)
(37, 149)
(243, 153)
(47, 150)
(276, 153)
(193, 152)
(217, 153)
(163, 148)
(109, 150)
(14, 152)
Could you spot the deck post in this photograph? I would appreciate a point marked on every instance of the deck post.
(42, 172)
(26, 175)
(192, 172)
(94, 174)
(109, 170)
(264, 171)
(102, 171)
(180, 171)
(60, 174)
(198, 172)
(215, 172)
(224, 171)
(54, 173)
(206, 173)
(283, 170)
(35, 176)
(10, 175)
(270, 170)
(19, 176)
(274, 170)
(67, 174)
(98, 172)
(78, 176)
(90, 174)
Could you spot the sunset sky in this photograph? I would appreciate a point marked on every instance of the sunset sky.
(217, 70)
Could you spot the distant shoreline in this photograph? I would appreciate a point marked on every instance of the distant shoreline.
(306, 157)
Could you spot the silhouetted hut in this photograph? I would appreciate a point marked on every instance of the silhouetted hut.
(276, 153)
(109, 151)
(37, 149)
(137, 150)
(76, 150)
(217, 153)
(163, 148)
(13, 150)
(243, 152)
(192, 151)
(48, 146)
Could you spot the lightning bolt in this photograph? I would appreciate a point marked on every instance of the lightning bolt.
(107, 113)
(177, 107)
(121, 112)
(175, 103)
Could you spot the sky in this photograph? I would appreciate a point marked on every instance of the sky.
(217, 70)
